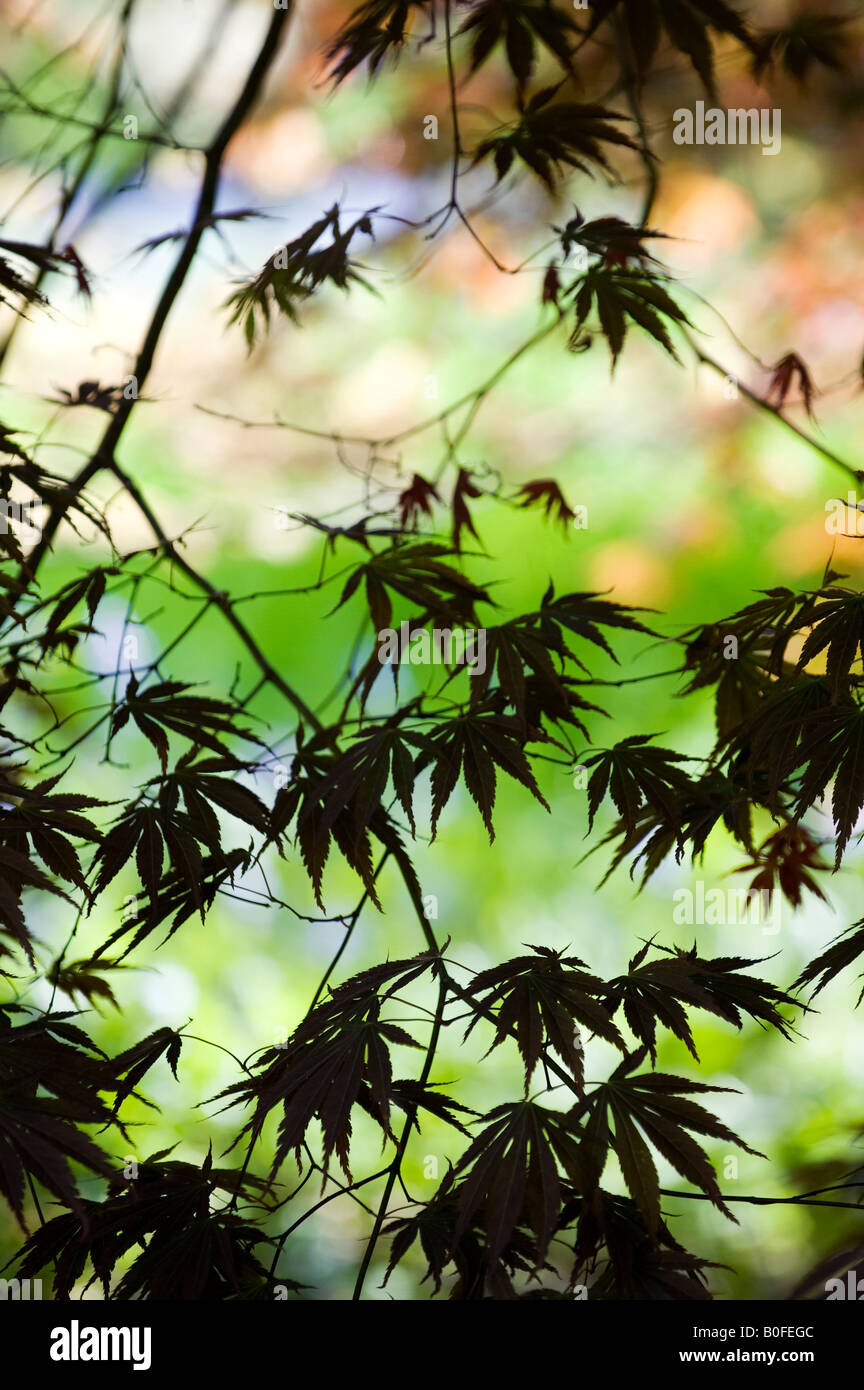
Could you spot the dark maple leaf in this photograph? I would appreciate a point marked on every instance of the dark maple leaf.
(39, 1133)
(785, 862)
(545, 492)
(134, 1063)
(339, 799)
(336, 1058)
(543, 997)
(184, 1250)
(835, 619)
(37, 819)
(621, 297)
(633, 1262)
(18, 872)
(415, 572)
(551, 138)
(166, 706)
(511, 1175)
(360, 777)
(661, 991)
(178, 899)
(656, 1107)
(613, 240)
(783, 375)
(635, 775)
(376, 30)
(410, 1096)
(297, 270)
(464, 488)
(514, 652)
(477, 1276)
(84, 978)
(832, 749)
(698, 808)
(716, 655)
(806, 41)
(843, 951)
(687, 24)
(584, 614)
(475, 744)
(416, 501)
(519, 24)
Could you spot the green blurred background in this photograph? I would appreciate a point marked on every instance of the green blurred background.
(694, 501)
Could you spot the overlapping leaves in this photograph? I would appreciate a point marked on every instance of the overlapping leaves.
(338, 1057)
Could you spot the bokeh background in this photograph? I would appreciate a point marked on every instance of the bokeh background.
(694, 501)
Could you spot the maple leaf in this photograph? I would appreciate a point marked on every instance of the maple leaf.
(360, 776)
(657, 1106)
(178, 898)
(184, 1250)
(543, 996)
(513, 651)
(836, 621)
(475, 745)
(166, 706)
(832, 748)
(638, 1264)
(635, 775)
(410, 1096)
(766, 746)
(699, 807)
(415, 572)
(518, 25)
(339, 799)
(297, 270)
(463, 488)
(687, 24)
(33, 818)
(615, 241)
(377, 29)
(18, 872)
(478, 1277)
(416, 501)
(155, 829)
(784, 862)
(716, 654)
(551, 138)
(661, 991)
(584, 614)
(846, 947)
(807, 40)
(134, 1063)
(337, 1057)
(783, 374)
(83, 977)
(545, 492)
(621, 296)
(38, 1132)
(512, 1175)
